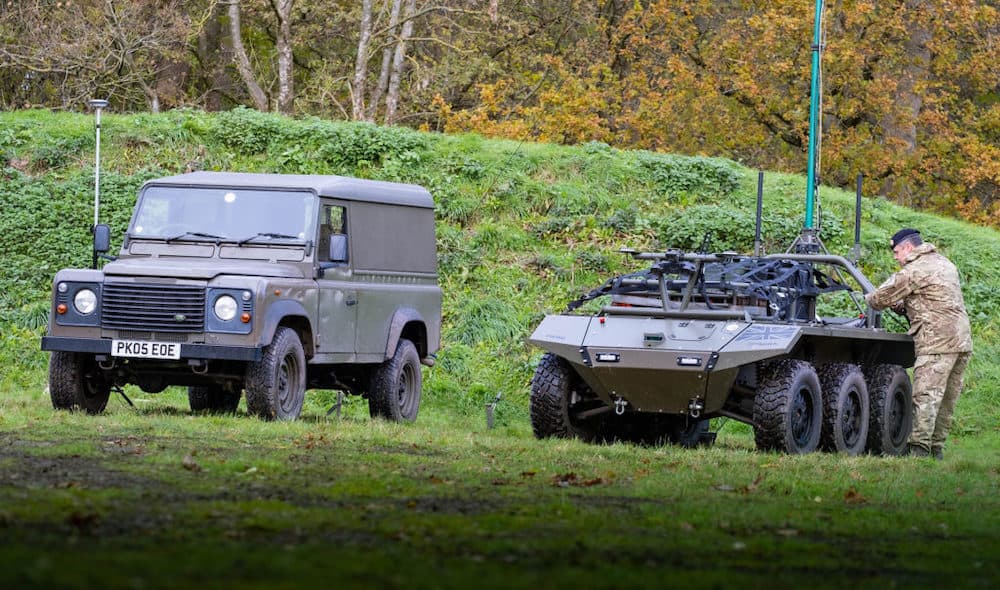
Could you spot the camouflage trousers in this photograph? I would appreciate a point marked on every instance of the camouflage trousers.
(937, 383)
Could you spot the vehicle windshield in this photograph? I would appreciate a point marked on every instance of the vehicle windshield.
(223, 214)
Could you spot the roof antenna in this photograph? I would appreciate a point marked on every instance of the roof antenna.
(97, 104)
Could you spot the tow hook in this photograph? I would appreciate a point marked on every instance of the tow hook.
(620, 404)
(695, 406)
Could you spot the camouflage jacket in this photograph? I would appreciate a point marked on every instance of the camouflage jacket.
(929, 290)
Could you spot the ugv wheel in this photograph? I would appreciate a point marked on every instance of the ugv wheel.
(76, 383)
(213, 398)
(394, 393)
(891, 416)
(845, 408)
(556, 393)
(788, 407)
(276, 384)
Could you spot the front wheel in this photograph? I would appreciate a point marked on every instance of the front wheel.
(556, 394)
(77, 383)
(788, 408)
(394, 393)
(276, 384)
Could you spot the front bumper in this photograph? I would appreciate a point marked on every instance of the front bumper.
(188, 351)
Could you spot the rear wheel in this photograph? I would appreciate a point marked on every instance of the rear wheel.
(213, 398)
(276, 384)
(77, 383)
(788, 407)
(891, 416)
(557, 394)
(845, 408)
(395, 388)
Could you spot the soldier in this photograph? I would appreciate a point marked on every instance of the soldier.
(928, 291)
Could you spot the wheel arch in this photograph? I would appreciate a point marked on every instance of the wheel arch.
(407, 323)
(291, 314)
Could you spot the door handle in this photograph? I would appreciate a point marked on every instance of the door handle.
(351, 302)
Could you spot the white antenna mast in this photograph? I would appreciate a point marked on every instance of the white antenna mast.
(97, 104)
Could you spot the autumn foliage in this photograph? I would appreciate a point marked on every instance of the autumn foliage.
(911, 92)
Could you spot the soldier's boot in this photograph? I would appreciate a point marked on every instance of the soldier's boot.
(937, 452)
(917, 451)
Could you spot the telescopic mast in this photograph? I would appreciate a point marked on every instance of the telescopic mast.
(814, 100)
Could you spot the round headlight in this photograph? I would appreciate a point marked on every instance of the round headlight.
(225, 308)
(85, 301)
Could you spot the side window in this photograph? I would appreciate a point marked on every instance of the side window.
(333, 234)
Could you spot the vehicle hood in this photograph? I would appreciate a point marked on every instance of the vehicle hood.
(199, 269)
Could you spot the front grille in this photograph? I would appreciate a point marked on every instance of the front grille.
(155, 308)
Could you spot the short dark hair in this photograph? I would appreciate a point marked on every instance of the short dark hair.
(907, 234)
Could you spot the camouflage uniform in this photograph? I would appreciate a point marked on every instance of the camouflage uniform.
(928, 288)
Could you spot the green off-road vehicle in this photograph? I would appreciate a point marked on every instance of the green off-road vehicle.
(266, 284)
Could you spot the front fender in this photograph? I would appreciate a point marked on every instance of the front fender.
(276, 312)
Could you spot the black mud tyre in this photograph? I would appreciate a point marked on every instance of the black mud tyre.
(213, 399)
(276, 384)
(845, 409)
(788, 408)
(553, 386)
(891, 416)
(77, 383)
(395, 387)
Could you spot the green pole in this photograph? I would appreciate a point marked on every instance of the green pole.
(813, 116)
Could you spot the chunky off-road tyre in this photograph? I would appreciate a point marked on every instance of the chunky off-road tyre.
(553, 386)
(276, 384)
(76, 383)
(891, 416)
(394, 392)
(788, 407)
(845, 408)
(214, 399)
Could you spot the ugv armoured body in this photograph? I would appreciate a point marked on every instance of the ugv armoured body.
(701, 335)
(754, 338)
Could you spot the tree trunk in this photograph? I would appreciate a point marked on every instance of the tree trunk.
(387, 53)
(392, 98)
(899, 125)
(286, 94)
(361, 63)
(242, 61)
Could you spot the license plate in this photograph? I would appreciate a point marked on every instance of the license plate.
(146, 350)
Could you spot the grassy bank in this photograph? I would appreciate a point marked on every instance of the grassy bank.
(156, 497)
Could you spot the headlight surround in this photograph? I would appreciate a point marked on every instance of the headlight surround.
(85, 301)
(225, 308)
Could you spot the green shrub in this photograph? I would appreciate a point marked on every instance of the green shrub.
(676, 175)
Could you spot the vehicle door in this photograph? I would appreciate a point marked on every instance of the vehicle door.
(338, 311)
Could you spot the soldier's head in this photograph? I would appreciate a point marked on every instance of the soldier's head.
(903, 242)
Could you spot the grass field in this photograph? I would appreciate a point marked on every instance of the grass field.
(155, 497)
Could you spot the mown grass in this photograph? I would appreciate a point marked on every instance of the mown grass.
(157, 497)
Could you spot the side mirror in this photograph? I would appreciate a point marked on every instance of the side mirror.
(102, 238)
(338, 248)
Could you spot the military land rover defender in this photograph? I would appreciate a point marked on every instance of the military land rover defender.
(266, 284)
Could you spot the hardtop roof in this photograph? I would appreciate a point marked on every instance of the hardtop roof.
(340, 187)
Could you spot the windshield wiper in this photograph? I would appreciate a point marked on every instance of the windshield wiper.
(267, 235)
(196, 234)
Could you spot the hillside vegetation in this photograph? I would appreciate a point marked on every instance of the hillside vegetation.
(522, 228)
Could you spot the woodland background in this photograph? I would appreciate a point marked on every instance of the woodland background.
(911, 87)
